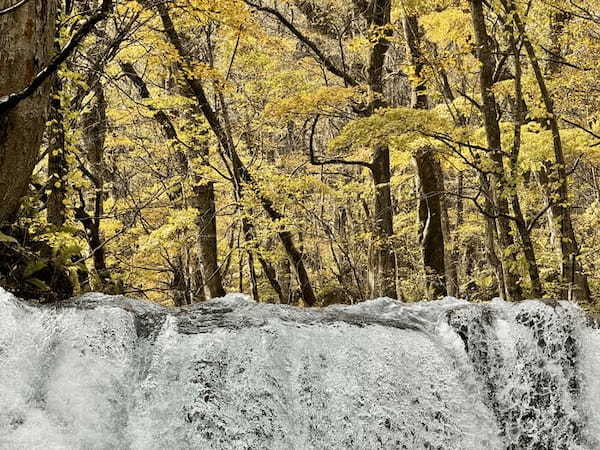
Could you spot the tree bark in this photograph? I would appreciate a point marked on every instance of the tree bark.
(574, 280)
(204, 202)
(26, 42)
(384, 261)
(430, 178)
(179, 283)
(489, 109)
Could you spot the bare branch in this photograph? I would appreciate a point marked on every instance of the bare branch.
(12, 7)
(317, 162)
(10, 101)
(325, 60)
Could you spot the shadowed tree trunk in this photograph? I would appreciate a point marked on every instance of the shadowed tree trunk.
(384, 264)
(489, 109)
(574, 280)
(430, 178)
(26, 41)
(179, 283)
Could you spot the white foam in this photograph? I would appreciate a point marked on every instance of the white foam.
(280, 377)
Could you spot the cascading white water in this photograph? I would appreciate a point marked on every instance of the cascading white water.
(111, 373)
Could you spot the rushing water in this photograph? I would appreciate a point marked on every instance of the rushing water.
(111, 373)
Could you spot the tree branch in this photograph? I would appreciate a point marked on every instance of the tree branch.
(12, 7)
(314, 161)
(327, 62)
(10, 101)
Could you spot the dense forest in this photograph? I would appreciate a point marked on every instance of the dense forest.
(301, 151)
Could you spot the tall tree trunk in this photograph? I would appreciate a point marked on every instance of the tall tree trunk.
(384, 261)
(574, 280)
(519, 119)
(494, 142)
(430, 177)
(453, 257)
(450, 253)
(95, 126)
(456, 252)
(26, 42)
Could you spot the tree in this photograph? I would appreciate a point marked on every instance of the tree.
(27, 40)
(309, 152)
(430, 176)
(489, 110)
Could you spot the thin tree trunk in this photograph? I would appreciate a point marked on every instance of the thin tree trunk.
(456, 252)
(452, 284)
(57, 161)
(575, 282)
(494, 142)
(268, 269)
(528, 250)
(253, 280)
(249, 238)
(491, 236)
(519, 119)
(95, 127)
(271, 274)
(198, 286)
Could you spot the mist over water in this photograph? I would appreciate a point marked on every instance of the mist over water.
(112, 373)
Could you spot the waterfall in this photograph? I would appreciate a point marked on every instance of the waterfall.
(105, 372)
